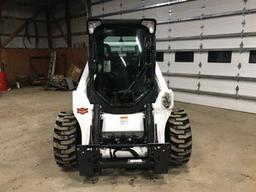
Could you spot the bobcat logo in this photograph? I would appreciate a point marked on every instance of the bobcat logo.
(82, 110)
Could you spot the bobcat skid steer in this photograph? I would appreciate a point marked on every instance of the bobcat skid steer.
(123, 112)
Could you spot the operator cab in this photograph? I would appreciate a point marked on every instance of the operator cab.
(122, 64)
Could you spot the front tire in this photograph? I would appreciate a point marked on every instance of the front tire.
(179, 134)
(65, 139)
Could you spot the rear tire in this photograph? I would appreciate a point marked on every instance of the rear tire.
(65, 139)
(179, 134)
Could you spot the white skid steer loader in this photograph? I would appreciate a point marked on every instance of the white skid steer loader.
(123, 112)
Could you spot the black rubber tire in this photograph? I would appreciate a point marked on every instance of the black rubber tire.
(179, 134)
(66, 136)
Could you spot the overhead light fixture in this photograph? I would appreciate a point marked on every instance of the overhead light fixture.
(92, 25)
(150, 24)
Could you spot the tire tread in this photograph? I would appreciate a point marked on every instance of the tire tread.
(180, 137)
(65, 140)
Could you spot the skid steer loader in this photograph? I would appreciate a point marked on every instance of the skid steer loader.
(123, 112)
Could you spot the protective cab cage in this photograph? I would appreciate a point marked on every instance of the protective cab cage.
(145, 38)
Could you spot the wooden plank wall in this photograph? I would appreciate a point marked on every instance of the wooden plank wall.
(17, 61)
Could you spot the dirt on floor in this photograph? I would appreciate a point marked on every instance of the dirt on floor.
(223, 159)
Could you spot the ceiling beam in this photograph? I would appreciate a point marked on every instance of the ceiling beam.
(59, 27)
(24, 4)
(5, 17)
(49, 28)
(68, 23)
(2, 2)
(17, 31)
(22, 27)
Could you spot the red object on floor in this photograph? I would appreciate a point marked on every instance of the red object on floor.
(3, 82)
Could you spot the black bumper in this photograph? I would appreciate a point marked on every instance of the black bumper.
(90, 161)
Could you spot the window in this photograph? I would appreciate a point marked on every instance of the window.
(160, 56)
(121, 76)
(252, 58)
(184, 56)
(219, 56)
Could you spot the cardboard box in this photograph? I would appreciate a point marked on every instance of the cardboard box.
(74, 72)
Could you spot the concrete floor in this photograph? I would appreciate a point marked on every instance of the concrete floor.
(224, 151)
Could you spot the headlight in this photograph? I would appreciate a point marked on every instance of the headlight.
(92, 25)
(166, 100)
(150, 24)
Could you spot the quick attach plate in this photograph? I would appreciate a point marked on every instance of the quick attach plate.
(159, 153)
(88, 157)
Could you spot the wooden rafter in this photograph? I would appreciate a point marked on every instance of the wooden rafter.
(2, 2)
(49, 28)
(68, 23)
(24, 4)
(22, 27)
(59, 28)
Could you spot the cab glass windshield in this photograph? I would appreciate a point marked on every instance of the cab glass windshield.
(120, 64)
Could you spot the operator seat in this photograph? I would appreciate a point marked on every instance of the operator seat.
(121, 79)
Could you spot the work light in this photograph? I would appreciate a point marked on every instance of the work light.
(167, 100)
(150, 24)
(93, 24)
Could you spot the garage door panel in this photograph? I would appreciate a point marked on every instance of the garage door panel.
(251, 4)
(247, 69)
(112, 6)
(222, 43)
(184, 68)
(226, 103)
(247, 88)
(186, 29)
(250, 23)
(134, 15)
(219, 69)
(187, 10)
(223, 25)
(162, 31)
(166, 63)
(160, 14)
(190, 44)
(213, 7)
(218, 86)
(162, 45)
(250, 42)
(183, 83)
(131, 4)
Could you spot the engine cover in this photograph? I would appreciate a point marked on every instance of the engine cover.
(123, 128)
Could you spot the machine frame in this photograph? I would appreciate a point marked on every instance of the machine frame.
(93, 154)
